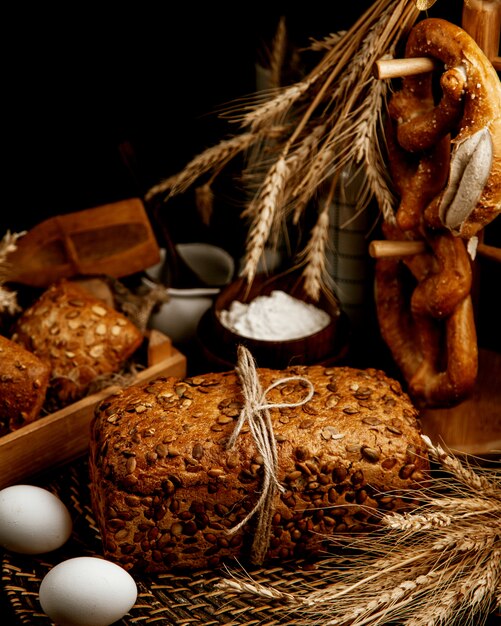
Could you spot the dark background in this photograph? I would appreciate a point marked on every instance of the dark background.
(80, 82)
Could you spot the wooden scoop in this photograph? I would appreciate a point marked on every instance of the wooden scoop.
(113, 239)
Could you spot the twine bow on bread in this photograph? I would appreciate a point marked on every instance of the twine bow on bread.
(256, 412)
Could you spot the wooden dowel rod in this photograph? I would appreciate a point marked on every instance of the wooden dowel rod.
(379, 249)
(396, 68)
(481, 19)
(489, 252)
(383, 248)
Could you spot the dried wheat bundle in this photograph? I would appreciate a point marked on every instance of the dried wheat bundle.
(297, 138)
(439, 564)
(8, 298)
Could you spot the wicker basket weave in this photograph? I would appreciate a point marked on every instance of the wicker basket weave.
(180, 599)
(170, 598)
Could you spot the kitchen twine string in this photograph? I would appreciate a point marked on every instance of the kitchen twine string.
(256, 412)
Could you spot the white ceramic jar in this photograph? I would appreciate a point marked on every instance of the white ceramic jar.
(179, 317)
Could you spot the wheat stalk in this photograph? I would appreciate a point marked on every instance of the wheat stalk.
(277, 57)
(333, 152)
(8, 298)
(338, 95)
(295, 160)
(276, 108)
(424, 5)
(405, 521)
(327, 43)
(483, 540)
(260, 228)
(464, 474)
(314, 255)
(213, 159)
(204, 200)
(437, 564)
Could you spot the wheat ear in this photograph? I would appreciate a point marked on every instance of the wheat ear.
(260, 228)
(461, 472)
(214, 158)
(8, 297)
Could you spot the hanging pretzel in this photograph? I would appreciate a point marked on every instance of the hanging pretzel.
(423, 303)
(469, 110)
(430, 329)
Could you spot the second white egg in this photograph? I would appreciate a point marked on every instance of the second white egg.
(87, 591)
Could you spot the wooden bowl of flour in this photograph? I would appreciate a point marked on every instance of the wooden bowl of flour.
(278, 323)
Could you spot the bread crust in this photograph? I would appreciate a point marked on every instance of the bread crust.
(80, 336)
(166, 490)
(24, 379)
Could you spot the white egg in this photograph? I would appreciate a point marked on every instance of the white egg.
(87, 591)
(32, 520)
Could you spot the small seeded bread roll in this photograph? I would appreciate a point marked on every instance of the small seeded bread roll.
(24, 379)
(165, 489)
(81, 336)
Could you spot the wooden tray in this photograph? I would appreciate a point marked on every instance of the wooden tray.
(63, 436)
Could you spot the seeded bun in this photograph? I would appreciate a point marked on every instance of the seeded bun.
(24, 379)
(165, 489)
(80, 336)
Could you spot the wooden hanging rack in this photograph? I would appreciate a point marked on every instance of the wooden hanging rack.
(481, 19)
(472, 427)
(383, 248)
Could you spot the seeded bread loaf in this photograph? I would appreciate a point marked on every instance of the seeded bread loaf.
(80, 336)
(165, 489)
(24, 379)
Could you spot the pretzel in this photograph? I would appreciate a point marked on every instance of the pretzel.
(417, 179)
(469, 110)
(445, 162)
(429, 330)
(444, 324)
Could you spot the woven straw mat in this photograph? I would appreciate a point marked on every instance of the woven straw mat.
(163, 599)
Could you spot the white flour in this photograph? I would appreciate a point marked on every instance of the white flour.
(276, 317)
